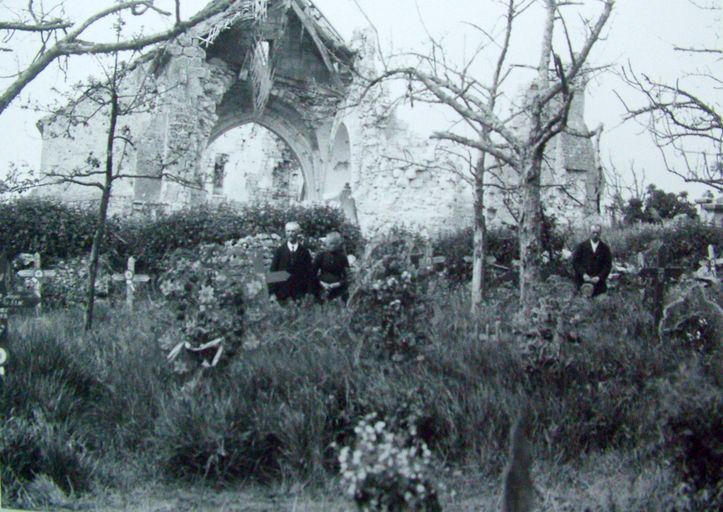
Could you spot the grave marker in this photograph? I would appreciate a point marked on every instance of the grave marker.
(35, 276)
(259, 268)
(277, 276)
(9, 302)
(425, 260)
(712, 262)
(130, 277)
(659, 275)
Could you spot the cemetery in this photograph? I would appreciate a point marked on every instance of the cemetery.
(148, 360)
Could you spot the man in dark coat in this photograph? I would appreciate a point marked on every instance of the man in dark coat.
(295, 259)
(592, 262)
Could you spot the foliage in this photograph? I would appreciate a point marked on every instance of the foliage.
(502, 249)
(207, 301)
(62, 231)
(388, 468)
(389, 297)
(658, 206)
(55, 230)
(595, 374)
(687, 242)
(69, 285)
(689, 422)
(151, 240)
(30, 447)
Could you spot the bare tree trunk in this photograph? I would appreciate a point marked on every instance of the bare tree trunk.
(530, 231)
(479, 277)
(102, 214)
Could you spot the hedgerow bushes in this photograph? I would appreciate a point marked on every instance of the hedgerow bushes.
(60, 231)
(687, 241)
(54, 229)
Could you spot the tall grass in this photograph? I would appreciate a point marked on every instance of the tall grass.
(87, 402)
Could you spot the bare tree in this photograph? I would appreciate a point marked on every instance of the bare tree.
(516, 141)
(622, 192)
(125, 90)
(685, 125)
(60, 37)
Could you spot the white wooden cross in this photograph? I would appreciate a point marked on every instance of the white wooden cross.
(35, 276)
(277, 276)
(9, 303)
(259, 268)
(712, 261)
(130, 277)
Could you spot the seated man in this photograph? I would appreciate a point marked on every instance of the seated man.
(592, 262)
(295, 259)
(331, 268)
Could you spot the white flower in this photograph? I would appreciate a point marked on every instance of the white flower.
(205, 295)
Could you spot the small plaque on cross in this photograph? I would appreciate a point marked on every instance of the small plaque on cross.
(9, 302)
(277, 276)
(131, 278)
(35, 276)
(659, 276)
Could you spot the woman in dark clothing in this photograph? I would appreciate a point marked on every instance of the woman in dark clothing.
(331, 268)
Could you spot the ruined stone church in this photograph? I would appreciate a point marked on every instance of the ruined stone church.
(262, 103)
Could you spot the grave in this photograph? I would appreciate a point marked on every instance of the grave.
(708, 270)
(654, 269)
(258, 268)
(35, 276)
(131, 278)
(9, 303)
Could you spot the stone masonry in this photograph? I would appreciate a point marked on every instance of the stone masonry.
(332, 138)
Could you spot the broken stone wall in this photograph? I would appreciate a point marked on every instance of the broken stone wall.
(169, 132)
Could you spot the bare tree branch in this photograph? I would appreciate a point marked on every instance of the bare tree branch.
(70, 44)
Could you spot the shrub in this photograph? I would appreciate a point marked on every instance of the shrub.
(56, 230)
(207, 298)
(59, 231)
(388, 468)
(689, 422)
(69, 285)
(502, 248)
(687, 242)
(389, 297)
(150, 241)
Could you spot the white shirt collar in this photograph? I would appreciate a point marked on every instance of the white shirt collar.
(594, 245)
(292, 247)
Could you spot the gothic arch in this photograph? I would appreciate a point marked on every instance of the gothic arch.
(287, 124)
(338, 172)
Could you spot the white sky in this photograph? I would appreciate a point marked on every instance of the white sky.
(641, 32)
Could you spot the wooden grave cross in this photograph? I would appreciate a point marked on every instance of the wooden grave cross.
(9, 303)
(259, 268)
(276, 276)
(425, 260)
(35, 276)
(712, 261)
(131, 278)
(659, 275)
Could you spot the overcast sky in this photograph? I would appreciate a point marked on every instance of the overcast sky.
(641, 32)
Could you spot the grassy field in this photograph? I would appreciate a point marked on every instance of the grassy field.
(620, 420)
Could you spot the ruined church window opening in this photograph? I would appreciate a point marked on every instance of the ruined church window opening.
(219, 172)
(251, 164)
(339, 173)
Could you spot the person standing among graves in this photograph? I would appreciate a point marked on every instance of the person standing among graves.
(592, 262)
(331, 268)
(295, 259)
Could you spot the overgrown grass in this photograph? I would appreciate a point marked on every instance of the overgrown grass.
(76, 407)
